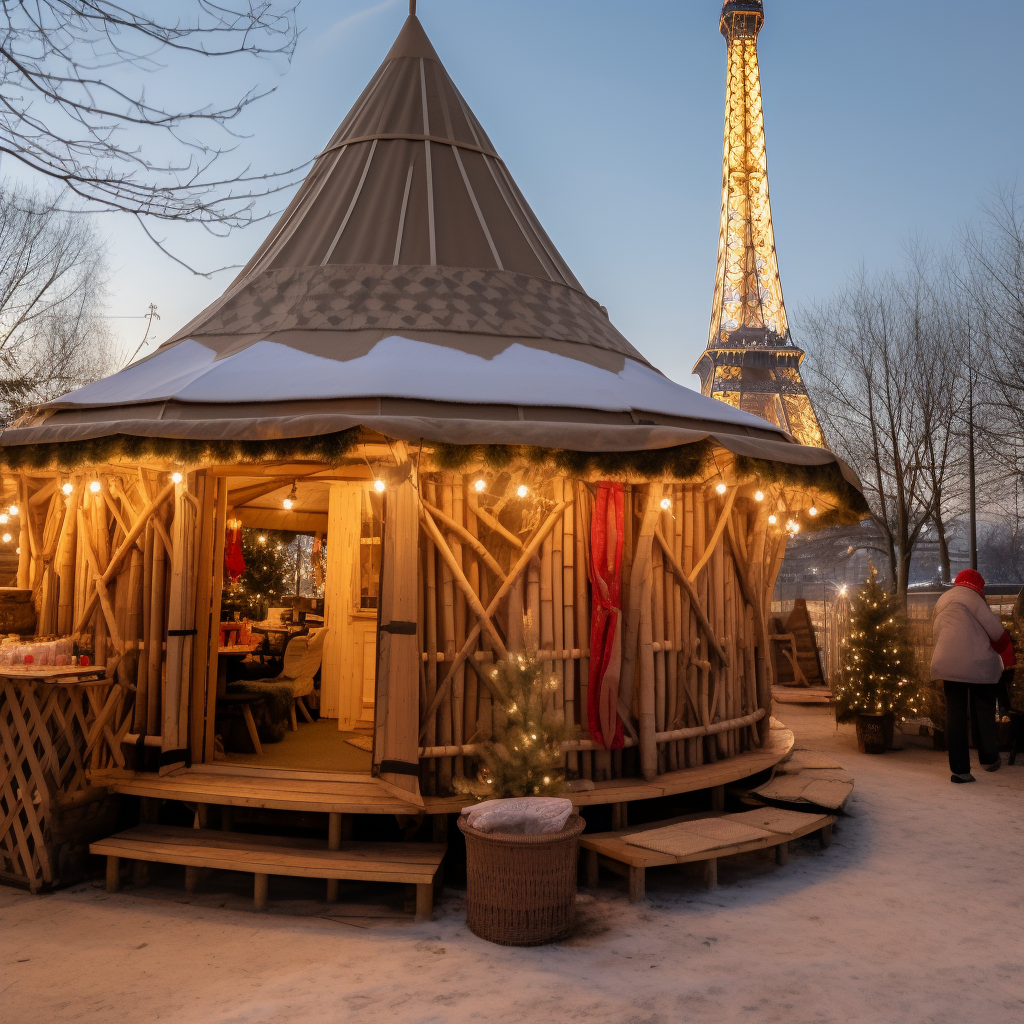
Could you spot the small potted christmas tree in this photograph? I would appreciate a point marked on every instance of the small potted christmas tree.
(520, 887)
(876, 683)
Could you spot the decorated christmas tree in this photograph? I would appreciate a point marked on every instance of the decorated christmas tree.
(877, 659)
(525, 758)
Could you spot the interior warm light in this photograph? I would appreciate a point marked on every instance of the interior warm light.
(812, 511)
(95, 487)
(176, 477)
(666, 503)
(720, 488)
(522, 490)
(293, 496)
(68, 488)
(7, 538)
(759, 496)
(3, 518)
(379, 485)
(479, 485)
(13, 510)
(772, 520)
(17, 551)
(287, 503)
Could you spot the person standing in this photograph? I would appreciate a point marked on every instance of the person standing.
(971, 649)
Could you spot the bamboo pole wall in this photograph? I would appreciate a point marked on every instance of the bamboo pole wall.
(696, 575)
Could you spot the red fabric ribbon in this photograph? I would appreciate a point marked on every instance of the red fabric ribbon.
(234, 561)
(605, 570)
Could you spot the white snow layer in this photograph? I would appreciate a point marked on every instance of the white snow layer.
(399, 367)
(915, 914)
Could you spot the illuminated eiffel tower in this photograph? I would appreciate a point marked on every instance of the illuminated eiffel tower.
(751, 361)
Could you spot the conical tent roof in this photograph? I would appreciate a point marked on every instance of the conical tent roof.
(407, 289)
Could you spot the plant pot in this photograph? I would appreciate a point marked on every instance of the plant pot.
(521, 890)
(871, 733)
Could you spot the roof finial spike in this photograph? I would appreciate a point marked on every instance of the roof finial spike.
(412, 8)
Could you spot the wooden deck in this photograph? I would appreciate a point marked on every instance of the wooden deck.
(362, 794)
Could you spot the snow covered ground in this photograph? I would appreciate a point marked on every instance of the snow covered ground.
(914, 914)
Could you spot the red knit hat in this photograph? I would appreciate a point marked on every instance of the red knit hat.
(970, 578)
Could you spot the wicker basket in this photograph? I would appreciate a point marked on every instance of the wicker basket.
(521, 890)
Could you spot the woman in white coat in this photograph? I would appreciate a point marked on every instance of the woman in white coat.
(971, 650)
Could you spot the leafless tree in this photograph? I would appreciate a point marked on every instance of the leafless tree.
(53, 336)
(869, 347)
(74, 109)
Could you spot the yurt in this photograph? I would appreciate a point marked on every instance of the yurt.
(409, 378)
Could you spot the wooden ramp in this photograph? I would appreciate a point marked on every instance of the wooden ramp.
(795, 649)
(417, 864)
(703, 838)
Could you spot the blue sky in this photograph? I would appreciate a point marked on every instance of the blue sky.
(884, 120)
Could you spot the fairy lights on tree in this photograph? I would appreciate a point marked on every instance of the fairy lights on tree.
(877, 674)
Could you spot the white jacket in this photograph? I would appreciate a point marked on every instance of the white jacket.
(963, 628)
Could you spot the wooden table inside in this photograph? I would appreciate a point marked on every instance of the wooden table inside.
(223, 653)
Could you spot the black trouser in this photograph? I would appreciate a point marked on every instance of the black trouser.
(967, 705)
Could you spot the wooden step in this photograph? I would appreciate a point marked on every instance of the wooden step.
(417, 864)
(616, 851)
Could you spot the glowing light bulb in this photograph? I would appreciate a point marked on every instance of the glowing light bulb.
(7, 538)
(17, 551)
(772, 520)
(261, 539)
(720, 488)
(812, 511)
(176, 478)
(479, 485)
(95, 487)
(666, 503)
(287, 503)
(3, 518)
(68, 488)
(379, 485)
(522, 490)
(759, 496)
(13, 510)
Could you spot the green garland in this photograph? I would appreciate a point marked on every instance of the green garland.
(683, 462)
(328, 448)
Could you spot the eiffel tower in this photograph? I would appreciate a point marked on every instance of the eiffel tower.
(751, 361)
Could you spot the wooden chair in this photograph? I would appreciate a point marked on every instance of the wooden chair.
(302, 658)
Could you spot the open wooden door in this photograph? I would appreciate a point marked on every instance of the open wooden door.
(396, 728)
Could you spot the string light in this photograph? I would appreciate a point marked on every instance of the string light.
(759, 496)
(812, 511)
(479, 485)
(666, 503)
(3, 518)
(261, 539)
(772, 520)
(7, 538)
(720, 488)
(95, 487)
(522, 490)
(68, 488)
(293, 496)
(13, 510)
(379, 485)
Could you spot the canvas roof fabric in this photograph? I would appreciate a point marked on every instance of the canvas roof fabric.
(407, 288)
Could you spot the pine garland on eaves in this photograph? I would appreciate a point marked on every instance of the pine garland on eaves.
(686, 462)
(328, 448)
